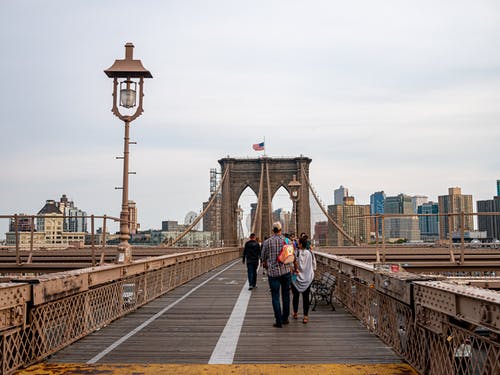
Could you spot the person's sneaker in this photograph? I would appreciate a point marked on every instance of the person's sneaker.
(276, 325)
(250, 288)
(285, 322)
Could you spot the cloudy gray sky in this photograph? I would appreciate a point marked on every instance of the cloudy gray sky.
(401, 96)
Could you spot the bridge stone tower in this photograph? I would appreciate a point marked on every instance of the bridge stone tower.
(264, 176)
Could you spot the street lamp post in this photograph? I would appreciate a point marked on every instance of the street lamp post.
(128, 73)
(294, 187)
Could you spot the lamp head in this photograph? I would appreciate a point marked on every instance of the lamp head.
(294, 187)
(128, 67)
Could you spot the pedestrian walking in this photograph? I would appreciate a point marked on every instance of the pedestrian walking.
(251, 253)
(305, 265)
(278, 274)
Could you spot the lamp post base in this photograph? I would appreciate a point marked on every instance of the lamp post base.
(124, 255)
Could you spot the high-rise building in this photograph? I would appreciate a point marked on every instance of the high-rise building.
(377, 200)
(284, 217)
(24, 224)
(49, 209)
(339, 194)
(212, 218)
(212, 221)
(401, 227)
(170, 226)
(498, 188)
(358, 228)
(418, 200)
(490, 224)
(320, 232)
(429, 225)
(74, 218)
(132, 217)
(52, 224)
(454, 203)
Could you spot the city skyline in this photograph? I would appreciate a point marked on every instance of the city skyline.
(400, 97)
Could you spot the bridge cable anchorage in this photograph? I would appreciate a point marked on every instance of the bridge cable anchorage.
(344, 233)
(200, 216)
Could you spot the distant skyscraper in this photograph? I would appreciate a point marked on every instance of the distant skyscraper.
(23, 224)
(284, 218)
(339, 194)
(401, 227)
(50, 209)
(377, 206)
(498, 188)
(358, 228)
(54, 226)
(320, 232)
(490, 224)
(429, 225)
(454, 202)
(170, 226)
(212, 219)
(74, 220)
(418, 200)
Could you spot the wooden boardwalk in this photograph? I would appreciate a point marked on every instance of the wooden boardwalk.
(185, 325)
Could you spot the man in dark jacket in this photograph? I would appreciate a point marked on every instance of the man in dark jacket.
(251, 253)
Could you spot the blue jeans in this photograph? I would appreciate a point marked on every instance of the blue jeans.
(283, 282)
(252, 273)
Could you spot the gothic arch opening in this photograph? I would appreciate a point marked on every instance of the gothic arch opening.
(282, 208)
(247, 203)
(265, 176)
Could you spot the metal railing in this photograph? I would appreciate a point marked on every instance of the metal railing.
(16, 218)
(437, 326)
(41, 315)
(381, 243)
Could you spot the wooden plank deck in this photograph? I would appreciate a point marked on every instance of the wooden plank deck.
(188, 332)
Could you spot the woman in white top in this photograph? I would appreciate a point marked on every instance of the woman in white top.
(305, 265)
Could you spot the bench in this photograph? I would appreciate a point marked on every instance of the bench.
(322, 289)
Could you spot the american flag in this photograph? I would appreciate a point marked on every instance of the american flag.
(258, 146)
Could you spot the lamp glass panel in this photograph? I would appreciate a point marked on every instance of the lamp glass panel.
(127, 98)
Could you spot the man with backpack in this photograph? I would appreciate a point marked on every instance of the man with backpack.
(279, 275)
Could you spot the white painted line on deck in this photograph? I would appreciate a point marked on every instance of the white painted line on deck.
(228, 340)
(154, 317)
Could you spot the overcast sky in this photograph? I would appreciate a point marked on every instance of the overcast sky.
(400, 96)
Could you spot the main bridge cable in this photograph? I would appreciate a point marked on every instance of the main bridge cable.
(344, 233)
(258, 212)
(269, 199)
(200, 216)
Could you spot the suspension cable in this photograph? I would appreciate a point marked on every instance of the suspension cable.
(257, 218)
(200, 216)
(269, 199)
(344, 233)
